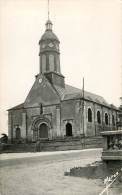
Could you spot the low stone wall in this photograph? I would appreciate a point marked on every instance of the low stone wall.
(55, 145)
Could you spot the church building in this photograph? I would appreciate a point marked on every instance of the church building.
(55, 110)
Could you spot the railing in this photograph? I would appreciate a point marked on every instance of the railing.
(109, 181)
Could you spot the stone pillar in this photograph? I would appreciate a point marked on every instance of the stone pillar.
(10, 127)
(24, 126)
(58, 121)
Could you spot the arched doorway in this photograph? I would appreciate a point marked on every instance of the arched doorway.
(43, 131)
(68, 129)
(41, 128)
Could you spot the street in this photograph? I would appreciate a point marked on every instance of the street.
(43, 173)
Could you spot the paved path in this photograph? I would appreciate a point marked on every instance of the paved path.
(7, 156)
(12, 159)
(43, 173)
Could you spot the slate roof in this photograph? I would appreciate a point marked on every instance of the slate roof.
(70, 92)
(49, 35)
(20, 106)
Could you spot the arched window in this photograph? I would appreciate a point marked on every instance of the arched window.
(68, 129)
(18, 133)
(106, 118)
(89, 115)
(98, 117)
(113, 120)
(43, 63)
(51, 62)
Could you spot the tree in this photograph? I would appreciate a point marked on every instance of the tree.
(4, 138)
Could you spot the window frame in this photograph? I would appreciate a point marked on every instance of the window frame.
(89, 112)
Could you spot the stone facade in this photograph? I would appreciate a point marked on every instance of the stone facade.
(54, 110)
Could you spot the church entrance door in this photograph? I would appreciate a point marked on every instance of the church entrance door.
(43, 131)
(68, 129)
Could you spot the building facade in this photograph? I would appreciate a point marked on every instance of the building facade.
(119, 122)
(54, 109)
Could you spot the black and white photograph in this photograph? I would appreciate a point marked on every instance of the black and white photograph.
(60, 97)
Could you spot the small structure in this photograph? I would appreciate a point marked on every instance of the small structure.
(112, 146)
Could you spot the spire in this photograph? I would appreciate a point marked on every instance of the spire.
(49, 23)
(48, 9)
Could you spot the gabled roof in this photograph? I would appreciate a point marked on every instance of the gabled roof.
(42, 92)
(70, 92)
(20, 106)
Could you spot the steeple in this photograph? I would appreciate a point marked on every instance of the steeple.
(48, 9)
(50, 54)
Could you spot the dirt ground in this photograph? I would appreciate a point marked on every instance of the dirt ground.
(46, 176)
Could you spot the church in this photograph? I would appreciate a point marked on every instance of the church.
(54, 110)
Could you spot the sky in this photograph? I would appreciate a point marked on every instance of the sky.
(90, 34)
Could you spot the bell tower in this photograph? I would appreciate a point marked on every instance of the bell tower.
(49, 55)
(49, 51)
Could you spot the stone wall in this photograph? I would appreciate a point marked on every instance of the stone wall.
(16, 118)
(70, 111)
(94, 128)
(70, 114)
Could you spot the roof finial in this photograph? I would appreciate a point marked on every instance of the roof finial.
(48, 9)
(48, 23)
